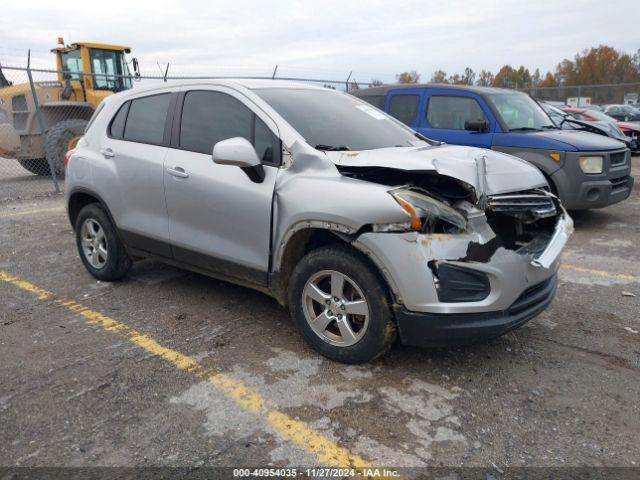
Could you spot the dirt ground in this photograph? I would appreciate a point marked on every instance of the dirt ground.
(170, 368)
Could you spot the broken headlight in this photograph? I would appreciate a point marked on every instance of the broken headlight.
(428, 215)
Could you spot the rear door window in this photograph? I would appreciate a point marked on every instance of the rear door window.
(146, 119)
(209, 117)
(404, 108)
(451, 113)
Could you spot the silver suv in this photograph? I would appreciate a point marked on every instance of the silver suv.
(362, 227)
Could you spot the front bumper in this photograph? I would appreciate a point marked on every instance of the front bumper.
(438, 330)
(580, 191)
(521, 284)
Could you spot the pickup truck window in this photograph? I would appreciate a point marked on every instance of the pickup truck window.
(519, 112)
(451, 113)
(404, 108)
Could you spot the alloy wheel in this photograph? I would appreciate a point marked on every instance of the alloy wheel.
(94, 243)
(335, 308)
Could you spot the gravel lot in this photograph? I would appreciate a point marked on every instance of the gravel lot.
(77, 390)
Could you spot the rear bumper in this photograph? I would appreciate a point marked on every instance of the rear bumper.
(437, 330)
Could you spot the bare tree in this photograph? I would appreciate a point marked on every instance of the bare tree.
(486, 78)
(439, 76)
(408, 77)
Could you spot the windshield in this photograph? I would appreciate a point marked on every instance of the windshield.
(110, 70)
(329, 120)
(520, 112)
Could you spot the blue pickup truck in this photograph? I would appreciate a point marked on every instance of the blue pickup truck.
(586, 170)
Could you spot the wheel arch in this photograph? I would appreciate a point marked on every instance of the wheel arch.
(80, 198)
(308, 236)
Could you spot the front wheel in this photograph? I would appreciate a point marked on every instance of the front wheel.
(341, 306)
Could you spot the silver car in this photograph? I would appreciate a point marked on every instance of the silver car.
(364, 229)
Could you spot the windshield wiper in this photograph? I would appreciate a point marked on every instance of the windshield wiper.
(525, 129)
(552, 127)
(332, 148)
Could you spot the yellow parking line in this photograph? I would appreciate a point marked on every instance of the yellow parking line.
(32, 212)
(601, 273)
(287, 428)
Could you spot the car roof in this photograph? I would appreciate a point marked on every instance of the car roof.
(469, 88)
(228, 82)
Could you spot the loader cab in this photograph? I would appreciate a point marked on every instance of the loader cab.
(89, 72)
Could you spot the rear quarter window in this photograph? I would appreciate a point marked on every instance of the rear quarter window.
(116, 128)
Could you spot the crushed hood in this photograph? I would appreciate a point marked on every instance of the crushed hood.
(504, 173)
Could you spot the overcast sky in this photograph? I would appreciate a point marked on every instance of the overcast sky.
(375, 39)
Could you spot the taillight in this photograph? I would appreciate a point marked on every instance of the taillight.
(67, 157)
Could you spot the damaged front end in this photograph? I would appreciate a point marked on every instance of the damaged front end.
(466, 264)
(467, 241)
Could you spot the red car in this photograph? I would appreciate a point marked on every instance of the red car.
(630, 129)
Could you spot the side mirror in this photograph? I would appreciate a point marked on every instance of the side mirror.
(239, 152)
(476, 125)
(136, 68)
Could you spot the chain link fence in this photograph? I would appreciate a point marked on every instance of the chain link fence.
(588, 95)
(43, 113)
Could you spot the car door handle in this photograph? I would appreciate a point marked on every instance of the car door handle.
(177, 172)
(107, 152)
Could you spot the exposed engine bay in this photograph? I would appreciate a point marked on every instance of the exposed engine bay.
(521, 221)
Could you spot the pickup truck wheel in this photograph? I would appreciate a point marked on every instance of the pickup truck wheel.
(340, 304)
(100, 249)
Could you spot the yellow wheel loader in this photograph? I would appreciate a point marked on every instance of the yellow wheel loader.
(87, 73)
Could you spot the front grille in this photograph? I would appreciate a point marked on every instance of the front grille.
(618, 158)
(532, 202)
(619, 182)
(19, 103)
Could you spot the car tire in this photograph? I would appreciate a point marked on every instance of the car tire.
(100, 248)
(364, 332)
(61, 138)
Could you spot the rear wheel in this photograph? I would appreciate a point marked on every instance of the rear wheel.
(341, 306)
(61, 138)
(100, 249)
